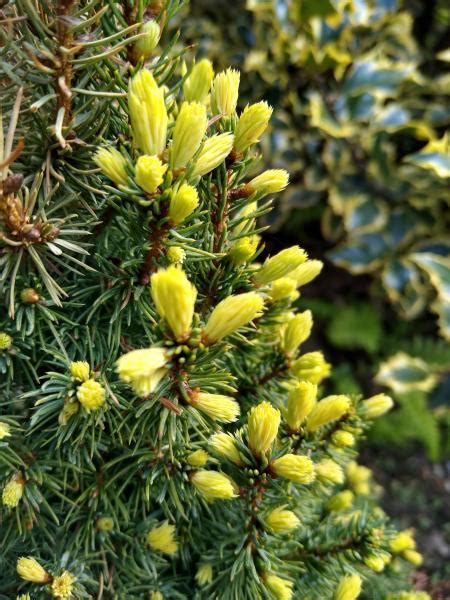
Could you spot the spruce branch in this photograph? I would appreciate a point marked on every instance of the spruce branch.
(163, 431)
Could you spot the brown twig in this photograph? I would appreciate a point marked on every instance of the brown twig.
(219, 220)
(130, 12)
(154, 8)
(256, 499)
(272, 375)
(157, 237)
(167, 403)
(244, 191)
(14, 154)
(63, 79)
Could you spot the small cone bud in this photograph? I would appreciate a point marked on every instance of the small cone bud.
(224, 92)
(197, 85)
(280, 265)
(145, 45)
(149, 173)
(263, 423)
(251, 125)
(213, 485)
(112, 164)
(231, 314)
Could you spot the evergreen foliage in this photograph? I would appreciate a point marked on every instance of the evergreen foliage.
(161, 433)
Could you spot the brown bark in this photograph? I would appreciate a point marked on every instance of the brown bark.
(64, 77)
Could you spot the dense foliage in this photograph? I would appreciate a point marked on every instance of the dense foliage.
(361, 112)
(162, 432)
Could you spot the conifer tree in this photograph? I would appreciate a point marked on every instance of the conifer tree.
(162, 432)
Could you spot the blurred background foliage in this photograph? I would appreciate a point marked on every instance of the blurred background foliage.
(361, 91)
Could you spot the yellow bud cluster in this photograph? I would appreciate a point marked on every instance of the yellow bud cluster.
(404, 540)
(199, 458)
(29, 569)
(105, 524)
(148, 113)
(306, 272)
(231, 314)
(224, 92)
(142, 369)
(414, 557)
(244, 249)
(296, 468)
(162, 539)
(263, 422)
(183, 202)
(358, 478)
(62, 585)
(5, 341)
(213, 152)
(327, 410)
(69, 409)
(282, 288)
(376, 406)
(343, 438)
(13, 492)
(272, 181)
(197, 85)
(224, 445)
(190, 127)
(341, 501)
(5, 430)
(301, 400)
(176, 255)
(349, 588)
(280, 520)
(281, 588)
(112, 164)
(251, 125)
(204, 574)
(329, 472)
(311, 367)
(174, 298)
(218, 407)
(375, 562)
(297, 331)
(80, 370)
(91, 395)
(149, 173)
(280, 265)
(213, 485)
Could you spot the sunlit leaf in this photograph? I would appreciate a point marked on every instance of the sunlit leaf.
(403, 373)
(435, 156)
